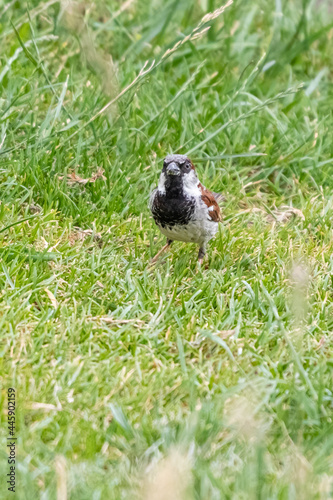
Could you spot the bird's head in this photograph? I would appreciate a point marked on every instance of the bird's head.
(178, 173)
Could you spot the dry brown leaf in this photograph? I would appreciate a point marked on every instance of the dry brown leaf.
(98, 175)
(88, 232)
(81, 234)
(74, 178)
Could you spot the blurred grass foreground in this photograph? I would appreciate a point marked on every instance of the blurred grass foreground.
(166, 382)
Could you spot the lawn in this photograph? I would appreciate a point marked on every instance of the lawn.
(173, 381)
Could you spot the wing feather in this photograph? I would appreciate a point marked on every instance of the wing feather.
(209, 200)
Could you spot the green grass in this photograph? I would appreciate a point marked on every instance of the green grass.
(226, 372)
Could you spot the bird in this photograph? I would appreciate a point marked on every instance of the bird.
(182, 208)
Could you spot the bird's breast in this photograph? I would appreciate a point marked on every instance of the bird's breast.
(172, 211)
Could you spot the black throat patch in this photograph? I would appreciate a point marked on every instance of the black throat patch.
(172, 208)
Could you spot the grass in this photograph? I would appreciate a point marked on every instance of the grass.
(216, 382)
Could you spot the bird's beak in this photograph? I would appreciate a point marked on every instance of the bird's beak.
(173, 169)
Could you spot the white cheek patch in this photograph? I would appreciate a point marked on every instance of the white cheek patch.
(161, 183)
(210, 209)
(190, 184)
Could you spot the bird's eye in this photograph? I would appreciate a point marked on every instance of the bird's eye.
(187, 166)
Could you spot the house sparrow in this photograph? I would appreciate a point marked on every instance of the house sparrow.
(182, 207)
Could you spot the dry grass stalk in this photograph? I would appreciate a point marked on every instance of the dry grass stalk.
(101, 63)
(243, 417)
(115, 321)
(52, 298)
(61, 473)
(281, 216)
(196, 33)
(170, 479)
(44, 406)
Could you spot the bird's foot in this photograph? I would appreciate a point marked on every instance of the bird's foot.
(163, 249)
(201, 254)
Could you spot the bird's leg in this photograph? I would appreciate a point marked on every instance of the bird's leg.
(163, 249)
(201, 254)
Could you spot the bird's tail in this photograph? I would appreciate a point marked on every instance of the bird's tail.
(219, 197)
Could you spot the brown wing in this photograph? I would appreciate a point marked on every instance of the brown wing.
(209, 199)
